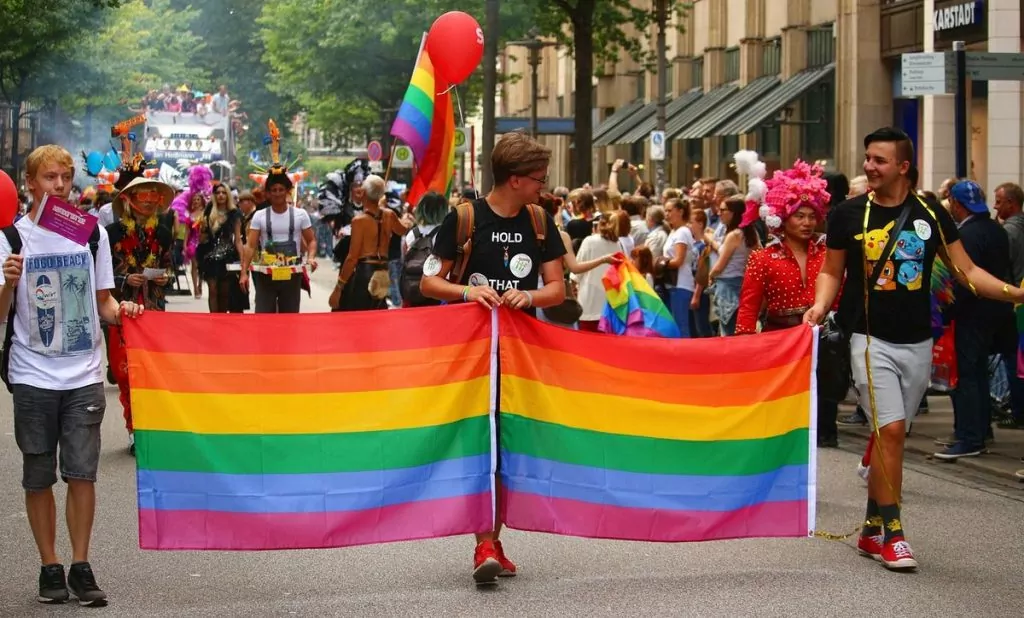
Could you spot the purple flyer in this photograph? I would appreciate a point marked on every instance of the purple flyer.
(62, 218)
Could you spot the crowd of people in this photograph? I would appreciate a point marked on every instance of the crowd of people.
(725, 263)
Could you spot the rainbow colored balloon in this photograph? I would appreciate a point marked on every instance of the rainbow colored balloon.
(633, 307)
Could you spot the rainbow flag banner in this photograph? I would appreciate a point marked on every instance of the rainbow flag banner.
(655, 439)
(633, 308)
(416, 113)
(284, 431)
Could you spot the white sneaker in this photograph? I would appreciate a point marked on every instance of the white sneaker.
(131, 444)
(862, 471)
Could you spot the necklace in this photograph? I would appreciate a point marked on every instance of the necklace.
(505, 257)
(139, 246)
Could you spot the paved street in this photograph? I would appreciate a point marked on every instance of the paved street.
(965, 528)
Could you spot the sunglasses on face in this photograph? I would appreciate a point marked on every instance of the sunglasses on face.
(146, 197)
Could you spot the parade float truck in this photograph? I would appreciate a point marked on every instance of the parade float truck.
(183, 139)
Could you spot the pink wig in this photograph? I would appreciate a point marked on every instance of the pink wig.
(200, 180)
(789, 190)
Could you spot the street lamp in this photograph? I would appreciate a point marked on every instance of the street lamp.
(534, 45)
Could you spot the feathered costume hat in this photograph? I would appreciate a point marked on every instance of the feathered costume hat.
(277, 174)
(777, 198)
(200, 180)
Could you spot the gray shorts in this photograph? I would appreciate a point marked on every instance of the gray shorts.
(900, 373)
(45, 419)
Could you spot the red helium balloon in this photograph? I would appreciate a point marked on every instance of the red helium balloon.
(8, 200)
(456, 44)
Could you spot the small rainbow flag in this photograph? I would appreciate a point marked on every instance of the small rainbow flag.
(633, 307)
(416, 114)
(269, 439)
(426, 122)
(656, 439)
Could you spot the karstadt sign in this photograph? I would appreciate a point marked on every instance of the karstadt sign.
(959, 15)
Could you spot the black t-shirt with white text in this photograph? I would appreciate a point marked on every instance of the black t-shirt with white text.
(505, 254)
(900, 302)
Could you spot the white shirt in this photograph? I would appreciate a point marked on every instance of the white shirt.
(220, 103)
(106, 214)
(58, 344)
(279, 223)
(656, 240)
(424, 230)
(682, 236)
(592, 297)
(626, 245)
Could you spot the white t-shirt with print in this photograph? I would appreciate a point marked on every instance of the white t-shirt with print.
(279, 224)
(58, 344)
(682, 236)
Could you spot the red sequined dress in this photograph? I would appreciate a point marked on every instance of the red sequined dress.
(774, 285)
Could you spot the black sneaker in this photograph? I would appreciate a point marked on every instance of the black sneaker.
(53, 588)
(82, 583)
(855, 418)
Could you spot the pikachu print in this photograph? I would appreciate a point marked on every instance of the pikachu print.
(876, 241)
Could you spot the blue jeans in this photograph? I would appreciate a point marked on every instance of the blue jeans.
(727, 302)
(395, 273)
(700, 318)
(972, 406)
(680, 307)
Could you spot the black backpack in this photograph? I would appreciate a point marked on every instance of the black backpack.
(14, 239)
(412, 268)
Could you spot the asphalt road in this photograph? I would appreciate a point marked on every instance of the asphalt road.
(967, 535)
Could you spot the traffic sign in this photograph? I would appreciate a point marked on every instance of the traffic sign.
(402, 158)
(461, 140)
(927, 74)
(374, 151)
(995, 66)
(657, 146)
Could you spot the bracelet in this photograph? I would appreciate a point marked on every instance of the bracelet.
(529, 298)
(342, 282)
(1006, 290)
(465, 294)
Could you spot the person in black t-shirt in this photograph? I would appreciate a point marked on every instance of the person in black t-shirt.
(505, 267)
(893, 332)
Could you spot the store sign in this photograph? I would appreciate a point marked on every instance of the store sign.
(960, 15)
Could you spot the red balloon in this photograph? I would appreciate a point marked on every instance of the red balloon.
(8, 200)
(456, 44)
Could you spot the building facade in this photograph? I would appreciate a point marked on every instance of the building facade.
(788, 78)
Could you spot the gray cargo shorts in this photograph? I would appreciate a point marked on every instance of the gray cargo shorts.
(900, 373)
(45, 420)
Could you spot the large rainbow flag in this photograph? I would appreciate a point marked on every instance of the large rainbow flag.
(632, 306)
(426, 122)
(656, 439)
(286, 431)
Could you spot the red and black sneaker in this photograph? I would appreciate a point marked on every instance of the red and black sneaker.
(485, 563)
(871, 546)
(897, 555)
(508, 568)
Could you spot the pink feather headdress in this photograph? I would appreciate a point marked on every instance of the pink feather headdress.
(749, 164)
(200, 180)
(789, 190)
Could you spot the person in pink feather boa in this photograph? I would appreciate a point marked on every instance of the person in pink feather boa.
(189, 213)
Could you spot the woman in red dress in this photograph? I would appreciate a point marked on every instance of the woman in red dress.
(778, 286)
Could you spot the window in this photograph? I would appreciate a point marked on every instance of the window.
(670, 81)
(820, 46)
(732, 65)
(819, 110)
(561, 106)
(641, 86)
(769, 140)
(695, 160)
(698, 73)
(772, 56)
(730, 146)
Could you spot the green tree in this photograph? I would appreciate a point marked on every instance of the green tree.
(39, 39)
(595, 30)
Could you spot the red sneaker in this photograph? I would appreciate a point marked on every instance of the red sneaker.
(896, 555)
(485, 563)
(508, 568)
(871, 546)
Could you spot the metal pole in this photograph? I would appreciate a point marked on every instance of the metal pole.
(960, 114)
(659, 166)
(491, 88)
(534, 65)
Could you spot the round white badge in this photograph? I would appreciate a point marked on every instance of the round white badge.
(923, 229)
(520, 265)
(476, 280)
(432, 266)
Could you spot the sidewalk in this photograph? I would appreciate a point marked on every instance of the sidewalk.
(1002, 460)
(322, 284)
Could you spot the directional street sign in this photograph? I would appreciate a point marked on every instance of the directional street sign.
(984, 66)
(928, 73)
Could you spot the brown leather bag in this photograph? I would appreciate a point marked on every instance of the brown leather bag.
(466, 226)
(703, 274)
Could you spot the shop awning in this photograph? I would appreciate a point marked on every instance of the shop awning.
(682, 121)
(673, 107)
(767, 106)
(614, 135)
(618, 116)
(734, 104)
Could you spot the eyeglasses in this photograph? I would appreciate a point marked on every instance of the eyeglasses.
(542, 181)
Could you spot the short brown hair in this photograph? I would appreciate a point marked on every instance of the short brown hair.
(634, 205)
(1013, 192)
(246, 197)
(517, 154)
(51, 153)
(582, 200)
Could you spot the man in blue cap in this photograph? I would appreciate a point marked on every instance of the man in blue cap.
(977, 320)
